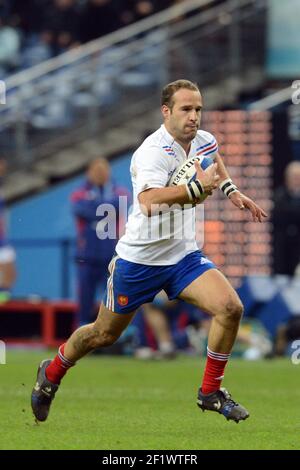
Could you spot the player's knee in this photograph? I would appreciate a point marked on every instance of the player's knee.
(234, 310)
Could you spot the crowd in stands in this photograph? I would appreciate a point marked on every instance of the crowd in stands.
(37, 30)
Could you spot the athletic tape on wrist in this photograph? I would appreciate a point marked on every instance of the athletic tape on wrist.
(228, 187)
(195, 190)
(189, 192)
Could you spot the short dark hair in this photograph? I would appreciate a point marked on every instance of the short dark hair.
(170, 89)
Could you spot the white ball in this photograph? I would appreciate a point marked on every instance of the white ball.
(187, 172)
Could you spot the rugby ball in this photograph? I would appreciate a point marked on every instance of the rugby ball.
(187, 171)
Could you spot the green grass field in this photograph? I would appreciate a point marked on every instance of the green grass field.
(121, 403)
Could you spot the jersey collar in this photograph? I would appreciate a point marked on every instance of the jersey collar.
(171, 141)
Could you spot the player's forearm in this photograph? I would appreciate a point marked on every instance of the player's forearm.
(221, 169)
(156, 200)
(225, 183)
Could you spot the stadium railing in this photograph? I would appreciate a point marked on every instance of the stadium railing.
(278, 98)
(86, 91)
(287, 99)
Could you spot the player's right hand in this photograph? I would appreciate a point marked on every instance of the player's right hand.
(208, 178)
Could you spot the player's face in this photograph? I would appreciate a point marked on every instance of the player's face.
(183, 119)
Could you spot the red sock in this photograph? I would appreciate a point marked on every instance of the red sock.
(59, 366)
(214, 371)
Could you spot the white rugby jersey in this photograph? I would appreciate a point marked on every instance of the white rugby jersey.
(167, 238)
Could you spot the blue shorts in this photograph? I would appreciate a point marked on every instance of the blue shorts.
(131, 285)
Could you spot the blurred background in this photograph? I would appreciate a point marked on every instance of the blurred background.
(80, 89)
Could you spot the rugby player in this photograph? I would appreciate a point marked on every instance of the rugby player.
(145, 264)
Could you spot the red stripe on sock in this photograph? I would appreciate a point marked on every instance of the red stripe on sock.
(57, 368)
(214, 370)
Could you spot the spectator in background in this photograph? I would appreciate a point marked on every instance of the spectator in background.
(29, 16)
(286, 335)
(143, 8)
(36, 30)
(9, 47)
(61, 25)
(93, 254)
(286, 220)
(98, 18)
(154, 316)
(166, 327)
(7, 253)
(5, 8)
(135, 10)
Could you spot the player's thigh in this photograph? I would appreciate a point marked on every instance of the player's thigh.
(212, 293)
(112, 323)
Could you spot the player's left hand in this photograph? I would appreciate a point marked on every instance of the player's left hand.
(243, 202)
